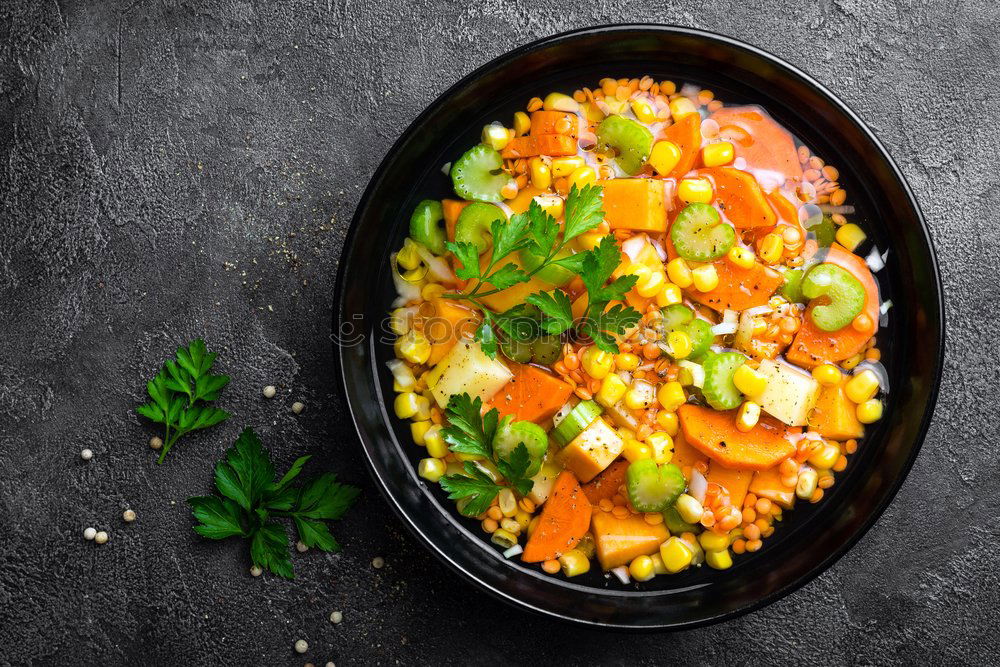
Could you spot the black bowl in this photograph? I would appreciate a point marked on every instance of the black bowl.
(813, 536)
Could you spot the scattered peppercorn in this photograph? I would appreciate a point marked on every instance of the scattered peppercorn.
(301, 547)
(101, 537)
(298, 407)
(89, 533)
(336, 617)
(378, 562)
(86, 454)
(256, 571)
(301, 646)
(270, 391)
(128, 516)
(155, 442)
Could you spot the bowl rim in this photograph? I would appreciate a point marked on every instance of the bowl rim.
(821, 565)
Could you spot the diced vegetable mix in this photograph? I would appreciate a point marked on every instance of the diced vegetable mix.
(640, 334)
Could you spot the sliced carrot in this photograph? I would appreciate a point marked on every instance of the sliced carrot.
(685, 456)
(533, 394)
(768, 484)
(564, 520)
(686, 133)
(452, 208)
(734, 480)
(447, 324)
(835, 416)
(740, 198)
(759, 140)
(618, 541)
(553, 145)
(547, 122)
(638, 204)
(715, 434)
(813, 346)
(605, 485)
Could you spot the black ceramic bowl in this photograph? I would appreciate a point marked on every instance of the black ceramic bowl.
(813, 536)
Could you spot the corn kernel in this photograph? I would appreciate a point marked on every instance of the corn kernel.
(668, 422)
(640, 395)
(705, 278)
(695, 190)
(827, 375)
(712, 541)
(626, 361)
(652, 285)
(641, 568)
(805, 487)
(431, 469)
(664, 157)
(564, 166)
(717, 154)
(718, 560)
(612, 390)
(399, 321)
(825, 456)
(592, 112)
(496, 136)
(689, 509)
(541, 175)
(748, 416)
(616, 106)
(423, 412)
(862, 386)
(503, 539)
(679, 343)
(413, 347)
(741, 257)
(463, 457)
(588, 241)
(554, 205)
(849, 363)
(749, 381)
(522, 123)
(671, 396)
(771, 248)
(560, 102)
(669, 295)
(523, 519)
(759, 326)
(643, 110)
(662, 445)
(408, 258)
(658, 567)
(681, 107)
(406, 404)
(850, 236)
(418, 429)
(636, 451)
(596, 362)
(870, 411)
(582, 177)
(679, 273)
(574, 563)
(434, 441)
(676, 554)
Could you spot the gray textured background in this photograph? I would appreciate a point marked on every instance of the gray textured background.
(170, 169)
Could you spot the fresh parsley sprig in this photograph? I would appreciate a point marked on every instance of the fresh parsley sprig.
(250, 500)
(181, 393)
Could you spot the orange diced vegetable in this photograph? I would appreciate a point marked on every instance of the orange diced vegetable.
(605, 485)
(735, 481)
(533, 394)
(547, 122)
(740, 198)
(553, 145)
(835, 416)
(521, 202)
(759, 140)
(618, 541)
(739, 288)
(715, 434)
(449, 321)
(635, 203)
(452, 208)
(686, 134)
(767, 484)
(563, 522)
(685, 456)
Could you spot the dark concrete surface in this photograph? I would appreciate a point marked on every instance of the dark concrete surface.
(172, 169)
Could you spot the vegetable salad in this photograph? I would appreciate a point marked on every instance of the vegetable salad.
(639, 334)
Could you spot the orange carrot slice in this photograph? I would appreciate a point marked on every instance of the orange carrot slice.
(618, 541)
(553, 145)
(759, 140)
(686, 133)
(533, 394)
(605, 485)
(715, 434)
(739, 197)
(564, 520)
(547, 122)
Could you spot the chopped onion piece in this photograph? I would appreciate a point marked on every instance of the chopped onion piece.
(507, 210)
(697, 372)
(886, 305)
(622, 573)
(878, 369)
(402, 374)
(436, 266)
(446, 168)
(561, 414)
(515, 550)
(758, 310)
(406, 291)
(875, 261)
(633, 246)
(740, 163)
(724, 328)
(843, 210)
(698, 486)
(730, 316)
(660, 252)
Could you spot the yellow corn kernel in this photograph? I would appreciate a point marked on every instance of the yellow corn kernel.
(658, 566)
(671, 396)
(564, 166)
(771, 248)
(554, 205)
(636, 451)
(705, 278)
(862, 386)
(676, 553)
(423, 412)
(679, 273)
(434, 441)
(643, 110)
(503, 539)
(718, 154)
(825, 456)
(408, 258)
(522, 123)
(406, 404)
(652, 285)
(413, 347)
(640, 395)
(596, 362)
(523, 519)
(850, 236)
(560, 102)
(612, 390)
(689, 508)
(712, 541)
(695, 190)
(541, 175)
(431, 291)
(749, 381)
(741, 257)
(664, 157)
(627, 361)
(574, 563)
(588, 241)
(827, 375)
(662, 445)
(668, 422)
(582, 177)
(681, 107)
(418, 429)
(805, 487)
(669, 295)
(592, 112)
(496, 135)
(870, 411)
(849, 363)
(748, 416)
(679, 343)
(431, 469)
(718, 560)
(641, 568)
(759, 326)
(399, 321)
(616, 106)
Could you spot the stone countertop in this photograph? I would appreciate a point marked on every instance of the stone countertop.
(172, 169)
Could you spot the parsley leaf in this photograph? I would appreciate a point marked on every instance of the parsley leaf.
(598, 265)
(486, 336)
(250, 499)
(583, 211)
(468, 257)
(508, 236)
(475, 485)
(543, 229)
(616, 320)
(556, 308)
(180, 394)
(515, 469)
(516, 323)
(468, 430)
(506, 276)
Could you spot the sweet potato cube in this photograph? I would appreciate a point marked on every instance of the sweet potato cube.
(635, 203)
